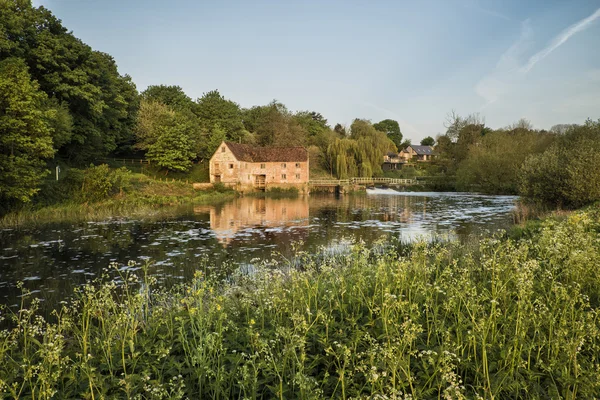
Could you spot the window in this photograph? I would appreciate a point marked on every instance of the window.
(216, 165)
(262, 166)
(283, 166)
(230, 166)
(297, 165)
(297, 176)
(223, 149)
(283, 176)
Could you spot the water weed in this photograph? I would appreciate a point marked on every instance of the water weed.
(509, 319)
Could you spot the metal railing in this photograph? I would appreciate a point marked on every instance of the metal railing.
(360, 181)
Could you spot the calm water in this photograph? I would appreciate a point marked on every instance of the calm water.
(53, 259)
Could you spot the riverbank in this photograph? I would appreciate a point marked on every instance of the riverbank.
(142, 196)
(505, 319)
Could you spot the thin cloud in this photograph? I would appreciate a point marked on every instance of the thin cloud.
(510, 71)
(560, 39)
(503, 77)
(488, 11)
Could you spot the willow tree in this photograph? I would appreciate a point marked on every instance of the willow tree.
(372, 145)
(344, 152)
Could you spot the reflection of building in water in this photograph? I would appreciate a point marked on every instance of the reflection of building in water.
(246, 212)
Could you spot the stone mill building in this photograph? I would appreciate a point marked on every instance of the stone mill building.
(246, 167)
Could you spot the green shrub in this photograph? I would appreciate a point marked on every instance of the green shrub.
(568, 173)
(100, 182)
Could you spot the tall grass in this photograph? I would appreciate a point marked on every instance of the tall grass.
(510, 319)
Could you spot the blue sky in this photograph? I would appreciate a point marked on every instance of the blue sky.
(413, 61)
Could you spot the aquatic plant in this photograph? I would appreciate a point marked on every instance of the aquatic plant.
(510, 319)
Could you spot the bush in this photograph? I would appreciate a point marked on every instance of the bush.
(568, 173)
(100, 182)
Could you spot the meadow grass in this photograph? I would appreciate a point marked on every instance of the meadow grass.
(509, 319)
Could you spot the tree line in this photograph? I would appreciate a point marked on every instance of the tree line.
(559, 167)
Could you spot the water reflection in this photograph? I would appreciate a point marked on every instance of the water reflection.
(55, 258)
(243, 215)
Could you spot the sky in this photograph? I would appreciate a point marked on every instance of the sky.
(412, 61)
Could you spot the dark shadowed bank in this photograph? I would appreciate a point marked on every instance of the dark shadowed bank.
(507, 318)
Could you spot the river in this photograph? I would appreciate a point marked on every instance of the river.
(52, 259)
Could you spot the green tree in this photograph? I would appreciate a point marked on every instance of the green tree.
(567, 174)
(392, 129)
(214, 109)
(312, 122)
(25, 133)
(172, 96)
(101, 102)
(340, 130)
(428, 141)
(174, 147)
(216, 137)
(169, 137)
(493, 165)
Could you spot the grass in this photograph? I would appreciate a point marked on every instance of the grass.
(141, 196)
(509, 319)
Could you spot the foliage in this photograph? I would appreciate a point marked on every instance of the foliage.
(392, 129)
(510, 319)
(568, 173)
(101, 182)
(172, 96)
(274, 125)
(213, 109)
(428, 141)
(169, 137)
(25, 133)
(101, 103)
(361, 154)
(493, 163)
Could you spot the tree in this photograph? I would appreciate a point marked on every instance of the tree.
(214, 109)
(25, 133)
(102, 103)
(455, 123)
(312, 122)
(174, 147)
(392, 129)
(340, 130)
(568, 173)
(493, 164)
(521, 124)
(169, 137)
(428, 141)
(362, 153)
(172, 96)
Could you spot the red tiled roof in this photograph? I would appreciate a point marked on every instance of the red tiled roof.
(249, 153)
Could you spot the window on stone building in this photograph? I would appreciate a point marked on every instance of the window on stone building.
(283, 165)
(297, 176)
(230, 166)
(223, 149)
(283, 176)
(262, 166)
(297, 165)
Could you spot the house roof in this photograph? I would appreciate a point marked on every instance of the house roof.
(249, 153)
(422, 150)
